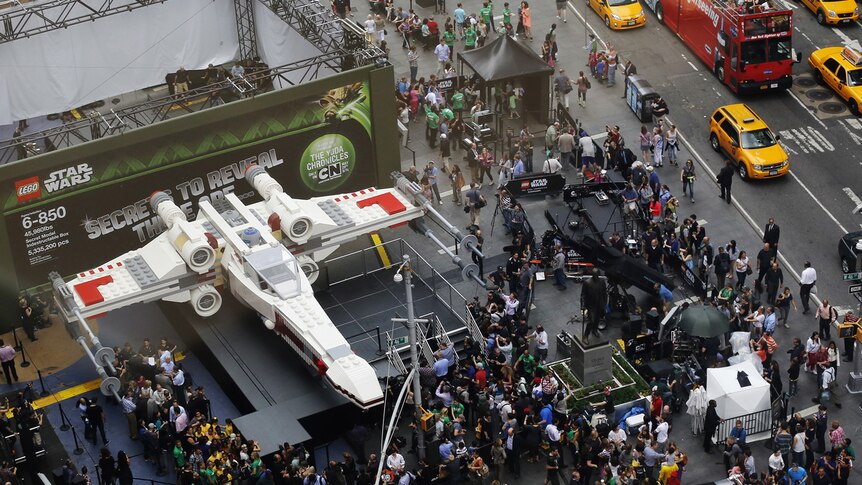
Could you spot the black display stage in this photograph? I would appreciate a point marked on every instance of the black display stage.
(280, 399)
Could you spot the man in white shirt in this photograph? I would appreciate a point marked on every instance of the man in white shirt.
(552, 166)
(588, 154)
(661, 433)
(395, 462)
(541, 337)
(553, 433)
(442, 52)
(807, 280)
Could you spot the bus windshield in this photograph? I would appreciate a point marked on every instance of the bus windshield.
(768, 50)
(757, 138)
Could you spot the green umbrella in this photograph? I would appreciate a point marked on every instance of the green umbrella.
(703, 321)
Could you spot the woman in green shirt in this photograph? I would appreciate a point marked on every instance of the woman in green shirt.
(449, 39)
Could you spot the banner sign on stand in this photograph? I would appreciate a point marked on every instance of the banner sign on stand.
(536, 184)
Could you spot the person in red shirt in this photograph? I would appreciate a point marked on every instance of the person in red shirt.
(480, 378)
(433, 28)
(655, 407)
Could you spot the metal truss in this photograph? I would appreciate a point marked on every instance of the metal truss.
(326, 31)
(27, 20)
(316, 22)
(96, 125)
(246, 32)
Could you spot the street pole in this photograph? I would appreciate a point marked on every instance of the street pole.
(414, 355)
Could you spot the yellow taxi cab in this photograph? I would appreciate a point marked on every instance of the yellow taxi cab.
(833, 12)
(619, 14)
(736, 130)
(840, 68)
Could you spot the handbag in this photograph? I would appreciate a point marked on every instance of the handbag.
(824, 396)
(568, 89)
(748, 271)
(814, 289)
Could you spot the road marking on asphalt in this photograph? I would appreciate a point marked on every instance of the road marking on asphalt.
(716, 92)
(743, 211)
(805, 187)
(807, 109)
(853, 198)
(789, 5)
(847, 124)
(809, 40)
(809, 140)
(693, 66)
(846, 40)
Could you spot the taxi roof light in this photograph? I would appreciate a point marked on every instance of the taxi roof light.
(748, 120)
(852, 56)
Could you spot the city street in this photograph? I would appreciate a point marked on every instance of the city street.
(813, 204)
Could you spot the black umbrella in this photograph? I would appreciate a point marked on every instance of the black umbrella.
(703, 321)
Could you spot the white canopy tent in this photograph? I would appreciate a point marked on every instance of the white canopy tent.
(733, 399)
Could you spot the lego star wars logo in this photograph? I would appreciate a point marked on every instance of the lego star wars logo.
(534, 184)
(68, 177)
(28, 189)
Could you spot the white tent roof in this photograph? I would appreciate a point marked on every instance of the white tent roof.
(733, 400)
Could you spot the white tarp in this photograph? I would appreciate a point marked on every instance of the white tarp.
(279, 44)
(67, 68)
(732, 399)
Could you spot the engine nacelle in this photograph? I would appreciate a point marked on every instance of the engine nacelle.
(205, 300)
(190, 242)
(295, 224)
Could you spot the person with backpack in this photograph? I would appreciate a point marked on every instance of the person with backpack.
(583, 86)
(313, 478)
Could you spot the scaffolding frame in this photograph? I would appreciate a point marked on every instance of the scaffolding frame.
(245, 28)
(27, 20)
(97, 125)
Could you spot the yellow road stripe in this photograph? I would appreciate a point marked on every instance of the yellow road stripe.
(381, 250)
(75, 391)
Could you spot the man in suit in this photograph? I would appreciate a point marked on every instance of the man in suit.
(512, 445)
(771, 233)
(725, 180)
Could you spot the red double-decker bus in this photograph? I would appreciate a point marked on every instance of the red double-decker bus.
(747, 46)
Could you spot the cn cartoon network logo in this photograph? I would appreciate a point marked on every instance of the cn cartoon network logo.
(28, 189)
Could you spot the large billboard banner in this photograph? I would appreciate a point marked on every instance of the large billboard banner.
(68, 218)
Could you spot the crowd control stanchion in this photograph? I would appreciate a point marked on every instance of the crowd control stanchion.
(63, 419)
(44, 392)
(78, 450)
(24, 362)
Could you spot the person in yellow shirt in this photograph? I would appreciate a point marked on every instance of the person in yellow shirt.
(668, 469)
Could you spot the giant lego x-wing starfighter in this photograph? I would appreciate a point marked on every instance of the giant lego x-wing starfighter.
(265, 254)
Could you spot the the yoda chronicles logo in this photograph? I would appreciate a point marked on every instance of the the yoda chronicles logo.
(327, 162)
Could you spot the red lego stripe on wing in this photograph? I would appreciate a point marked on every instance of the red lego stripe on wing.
(387, 201)
(89, 290)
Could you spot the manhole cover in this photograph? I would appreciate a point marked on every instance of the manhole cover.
(832, 107)
(805, 82)
(818, 94)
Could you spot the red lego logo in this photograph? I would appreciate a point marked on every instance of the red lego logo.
(28, 189)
